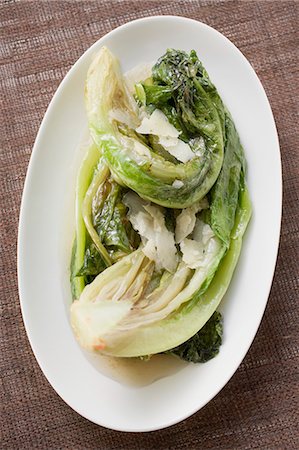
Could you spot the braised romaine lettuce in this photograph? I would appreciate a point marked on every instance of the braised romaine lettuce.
(198, 107)
(161, 210)
(166, 317)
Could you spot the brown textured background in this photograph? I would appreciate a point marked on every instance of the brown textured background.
(258, 409)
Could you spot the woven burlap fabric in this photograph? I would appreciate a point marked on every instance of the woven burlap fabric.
(40, 40)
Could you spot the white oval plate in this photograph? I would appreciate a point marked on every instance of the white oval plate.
(43, 257)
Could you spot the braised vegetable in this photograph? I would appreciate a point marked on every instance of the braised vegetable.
(161, 209)
(184, 85)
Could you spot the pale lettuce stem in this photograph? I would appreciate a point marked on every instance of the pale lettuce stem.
(83, 180)
(98, 179)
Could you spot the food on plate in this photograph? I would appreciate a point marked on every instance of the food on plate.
(161, 209)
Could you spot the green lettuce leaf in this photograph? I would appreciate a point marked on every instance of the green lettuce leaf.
(93, 264)
(85, 175)
(224, 195)
(205, 344)
(109, 218)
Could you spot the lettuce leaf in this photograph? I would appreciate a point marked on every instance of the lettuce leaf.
(205, 344)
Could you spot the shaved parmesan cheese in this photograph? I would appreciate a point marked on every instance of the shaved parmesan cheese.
(149, 250)
(202, 232)
(185, 221)
(181, 151)
(177, 184)
(200, 253)
(139, 73)
(148, 220)
(157, 124)
(168, 141)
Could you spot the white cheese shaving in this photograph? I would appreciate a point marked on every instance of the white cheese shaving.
(181, 151)
(185, 221)
(177, 184)
(157, 124)
(200, 253)
(148, 220)
(202, 232)
(168, 141)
